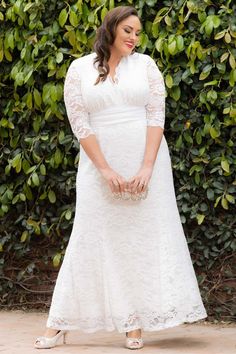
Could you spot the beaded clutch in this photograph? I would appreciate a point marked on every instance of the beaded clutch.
(131, 196)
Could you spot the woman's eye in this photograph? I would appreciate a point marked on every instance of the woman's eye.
(137, 34)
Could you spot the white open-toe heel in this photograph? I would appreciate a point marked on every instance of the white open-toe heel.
(49, 342)
(133, 343)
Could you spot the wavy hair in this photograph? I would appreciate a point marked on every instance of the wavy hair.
(105, 37)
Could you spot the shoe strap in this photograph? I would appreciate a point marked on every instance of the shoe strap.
(138, 340)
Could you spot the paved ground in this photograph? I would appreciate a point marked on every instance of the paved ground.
(18, 331)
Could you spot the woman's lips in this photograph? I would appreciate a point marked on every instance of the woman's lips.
(130, 45)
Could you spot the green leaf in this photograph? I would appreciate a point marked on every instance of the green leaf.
(204, 75)
(52, 196)
(232, 76)
(103, 13)
(68, 214)
(30, 169)
(200, 218)
(111, 4)
(210, 194)
(224, 203)
(16, 160)
(189, 139)
(209, 27)
(29, 101)
(42, 169)
(11, 125)
(61, 136)
(37, 124)
(198, 137)
(211, 83)
(232, 61)
(43, 195)
(143, 39)
(159, 44)
(53, 93)
(59, 57)
(4, 208)
(56, 260)
(225, 165)
(155, 30)
(72, 38)
(28, 6)
(227, 37)
(22, 197)
(217, 201)
(180, 42)
(91, 17)
(18, 166)
(216, 21)
(37, 97)
(219, 35)
(58, 156)
(214, 133)
(8, 55)
(11, 40)
(7, 169)
(230, 198)
(15, 199)
(27, 77)
(73, 19)
(168, 20)
(172, 47)
(35, 179)
(169, 81)
(179, 142)
(24, 236)
(63, 17)
(224, 57)
(175, 93)
(35, 225)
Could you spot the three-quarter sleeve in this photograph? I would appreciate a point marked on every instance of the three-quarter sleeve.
(77, 114)
(155, 108)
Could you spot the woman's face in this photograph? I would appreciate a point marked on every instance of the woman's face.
(127, 35)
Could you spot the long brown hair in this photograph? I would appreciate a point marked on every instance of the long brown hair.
(105, 37)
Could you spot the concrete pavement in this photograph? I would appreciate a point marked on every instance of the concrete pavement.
(19, 329)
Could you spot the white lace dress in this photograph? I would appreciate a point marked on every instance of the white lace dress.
(127, 264)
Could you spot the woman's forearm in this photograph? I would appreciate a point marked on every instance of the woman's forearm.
(93, 150)
(153, 141)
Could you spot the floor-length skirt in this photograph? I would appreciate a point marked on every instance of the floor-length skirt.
(127, 264)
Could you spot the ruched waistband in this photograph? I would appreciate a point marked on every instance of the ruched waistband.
(116, 115)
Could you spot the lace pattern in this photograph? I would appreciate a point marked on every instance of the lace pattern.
(152, 321)
(156, 106)
(76, 112)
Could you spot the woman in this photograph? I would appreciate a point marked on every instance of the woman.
(127, 265)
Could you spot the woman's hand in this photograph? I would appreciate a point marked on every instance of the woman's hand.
(115, 181)
(139, 182)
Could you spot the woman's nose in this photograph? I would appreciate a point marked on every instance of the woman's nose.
(132, 35)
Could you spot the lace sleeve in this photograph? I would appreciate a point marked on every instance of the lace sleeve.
(155, 109)
(76, 112)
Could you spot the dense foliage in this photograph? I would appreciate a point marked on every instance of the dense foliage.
(193, 43)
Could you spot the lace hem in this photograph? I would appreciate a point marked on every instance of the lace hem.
(148, 322)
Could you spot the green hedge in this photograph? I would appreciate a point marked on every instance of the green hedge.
(193, 43)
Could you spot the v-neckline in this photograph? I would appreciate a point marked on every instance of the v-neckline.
(115, 78)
